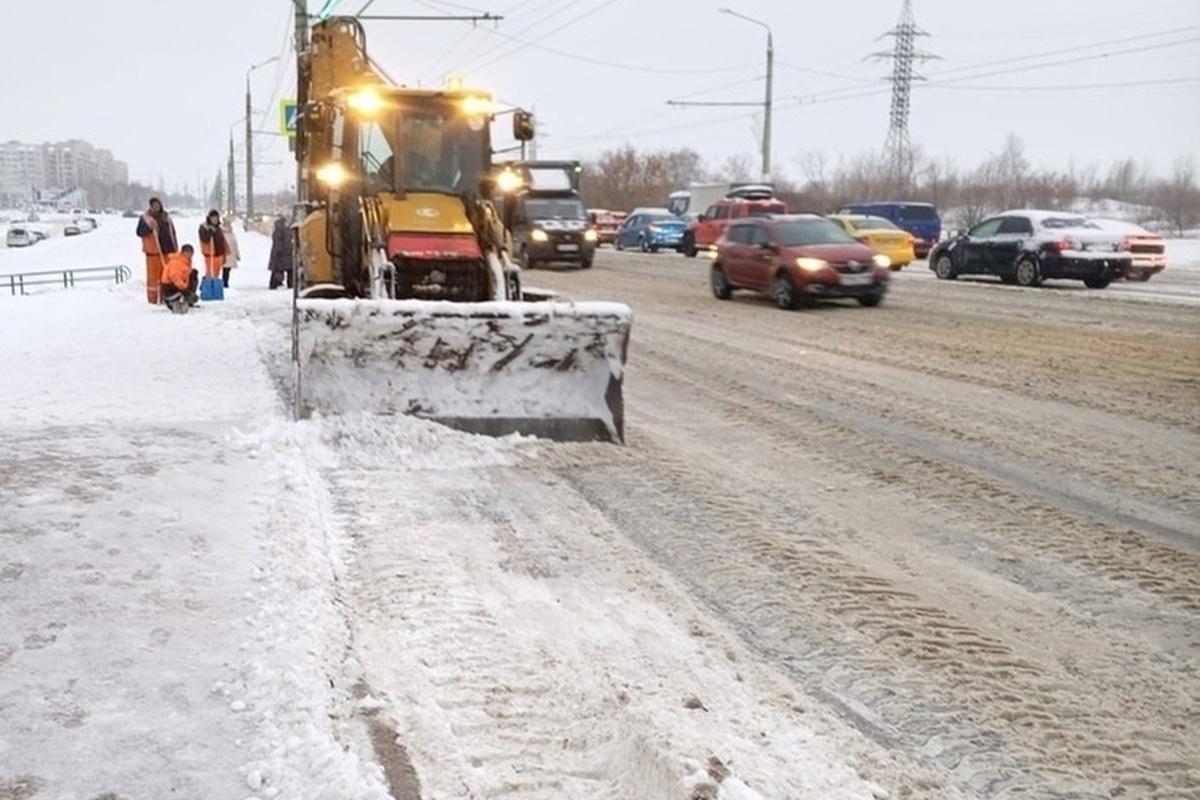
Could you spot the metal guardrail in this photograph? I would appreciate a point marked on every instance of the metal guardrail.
(18, 282)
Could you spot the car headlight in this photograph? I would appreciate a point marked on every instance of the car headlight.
(590, 235)
(811, 264)
(880, 260)
(539, 235)
(508, 181)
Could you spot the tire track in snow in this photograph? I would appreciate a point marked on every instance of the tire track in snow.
(517, 645)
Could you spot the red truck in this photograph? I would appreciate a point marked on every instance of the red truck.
(739, 203)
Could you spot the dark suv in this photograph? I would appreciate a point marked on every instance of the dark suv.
(794, 258)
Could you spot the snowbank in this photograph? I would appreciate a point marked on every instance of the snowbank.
(167, 583)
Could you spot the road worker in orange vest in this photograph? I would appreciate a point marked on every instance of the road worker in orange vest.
(213, 245)
(179, 280)
(158, 241)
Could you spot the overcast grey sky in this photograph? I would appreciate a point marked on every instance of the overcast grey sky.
(161, 82)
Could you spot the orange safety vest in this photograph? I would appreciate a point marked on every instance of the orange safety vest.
(213, 261)
(177, 271)
(150, 243)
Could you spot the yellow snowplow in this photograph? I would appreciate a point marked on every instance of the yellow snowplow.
(408, 300)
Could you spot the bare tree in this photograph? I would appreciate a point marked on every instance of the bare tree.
(738, 169)
(1179, 197)
(625, 178)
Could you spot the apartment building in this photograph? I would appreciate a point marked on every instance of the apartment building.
(27, 170)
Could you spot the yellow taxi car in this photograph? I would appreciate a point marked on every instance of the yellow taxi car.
(881, 235)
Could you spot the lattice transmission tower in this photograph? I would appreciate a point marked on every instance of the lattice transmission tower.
(904, 55)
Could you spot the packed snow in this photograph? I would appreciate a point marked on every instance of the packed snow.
(195, 607)
(166, 627)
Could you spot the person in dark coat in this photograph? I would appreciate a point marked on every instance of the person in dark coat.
(280, 263)
(212, 244)
(157, 233)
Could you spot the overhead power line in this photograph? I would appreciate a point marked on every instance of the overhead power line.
(850, 93)
(617, 65)
(1066, 86)
(560, 28)
(1058, 51)
(826, 73)
(639, 133)
(541, 19)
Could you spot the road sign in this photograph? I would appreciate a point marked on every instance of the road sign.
(289, 110)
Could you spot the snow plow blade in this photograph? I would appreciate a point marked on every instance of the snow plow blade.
(553, 370)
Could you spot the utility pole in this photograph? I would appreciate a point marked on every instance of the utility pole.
(300, 15)
(897, 147)
(767, 102)
(231, 180)
(767, 105)
(249, 153)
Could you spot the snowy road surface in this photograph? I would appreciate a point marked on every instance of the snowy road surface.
(968, 520)
(945, 548)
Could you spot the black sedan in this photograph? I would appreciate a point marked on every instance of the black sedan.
(1028, 247)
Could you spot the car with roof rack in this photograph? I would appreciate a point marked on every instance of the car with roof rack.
(754, 200)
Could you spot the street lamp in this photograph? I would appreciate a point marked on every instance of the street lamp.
(250, 139)
(766, 143)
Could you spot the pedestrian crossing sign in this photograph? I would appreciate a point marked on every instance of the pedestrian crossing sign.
(289, 111)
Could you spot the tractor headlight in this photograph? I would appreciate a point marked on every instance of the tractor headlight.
(590, 235)
(475, 106)
(333, 175)
(367, 101)
(880, 260)
(811, 264)
(539, 235)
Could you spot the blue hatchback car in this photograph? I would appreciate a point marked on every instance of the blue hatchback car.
(651, 231)
(919, 219)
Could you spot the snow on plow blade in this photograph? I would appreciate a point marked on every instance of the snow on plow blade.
(546, 369)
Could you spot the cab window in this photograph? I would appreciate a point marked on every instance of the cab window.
(376, 156)
(720, 212)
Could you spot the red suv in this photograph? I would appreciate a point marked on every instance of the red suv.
(708, 227)
(797, 258)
